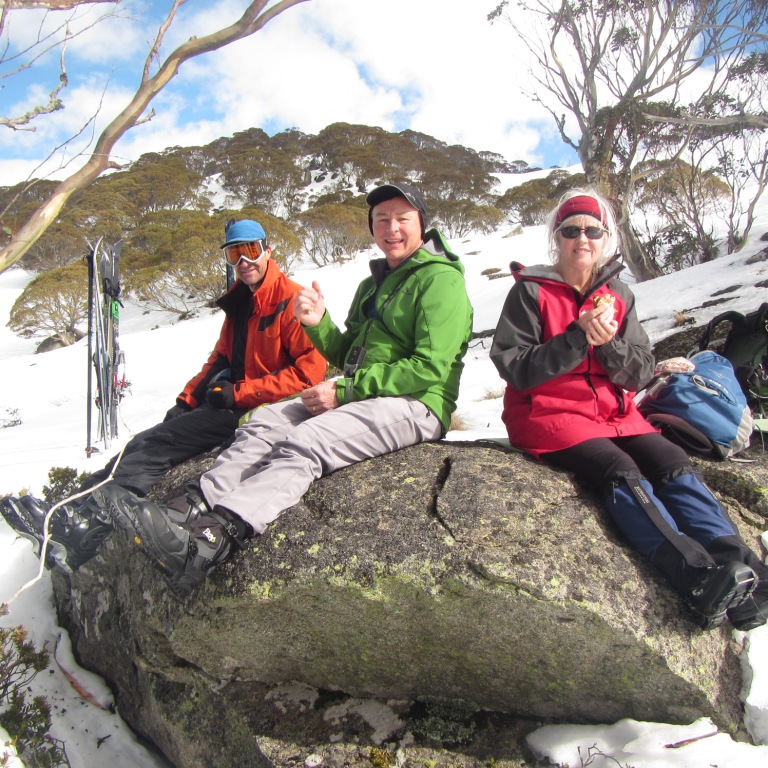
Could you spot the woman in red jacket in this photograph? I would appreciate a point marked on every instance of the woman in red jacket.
(573, 353)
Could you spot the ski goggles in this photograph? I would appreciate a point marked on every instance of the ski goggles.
(571, 233)
(251, 252)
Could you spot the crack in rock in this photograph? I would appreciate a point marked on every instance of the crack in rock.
(442, 478)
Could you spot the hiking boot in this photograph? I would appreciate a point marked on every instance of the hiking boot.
(19, 519)
(752, 612)
(184, 509)
(183, 553)
(75, 530)
(713, 591)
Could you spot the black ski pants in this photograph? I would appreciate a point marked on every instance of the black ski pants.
(151, 453)
(602, 460)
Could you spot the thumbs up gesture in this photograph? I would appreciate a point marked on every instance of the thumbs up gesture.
(310, 305)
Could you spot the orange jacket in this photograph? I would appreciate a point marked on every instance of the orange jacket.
(279, 359)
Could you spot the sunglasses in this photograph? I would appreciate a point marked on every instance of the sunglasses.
(571, 233)
(251, 252)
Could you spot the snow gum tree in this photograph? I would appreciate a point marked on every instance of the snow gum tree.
(620, 78)
(155, 76)
(55, 302)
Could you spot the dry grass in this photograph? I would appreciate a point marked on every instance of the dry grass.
(458, 424)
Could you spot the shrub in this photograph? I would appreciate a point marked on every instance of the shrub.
(9, 417)
(64, 481)
(331, 233)
(56, 301)
(27, 722)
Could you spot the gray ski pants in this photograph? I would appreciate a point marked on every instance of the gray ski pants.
(279, 452)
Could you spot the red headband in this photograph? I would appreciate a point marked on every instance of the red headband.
(581, 205)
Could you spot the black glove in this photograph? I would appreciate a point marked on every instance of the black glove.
(221, 394)
(178, 410)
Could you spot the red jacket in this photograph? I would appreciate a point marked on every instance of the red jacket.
(562, 391)
(262, 343)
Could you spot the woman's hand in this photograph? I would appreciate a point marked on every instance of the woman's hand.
(598, 324)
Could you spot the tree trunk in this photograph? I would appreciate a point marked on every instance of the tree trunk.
(610, 186)
(640, 264)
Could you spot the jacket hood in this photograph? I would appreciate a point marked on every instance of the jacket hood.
(549, 273)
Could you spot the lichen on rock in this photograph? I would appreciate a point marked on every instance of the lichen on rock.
(446, 574)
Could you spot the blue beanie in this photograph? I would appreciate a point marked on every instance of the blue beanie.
(245, 231)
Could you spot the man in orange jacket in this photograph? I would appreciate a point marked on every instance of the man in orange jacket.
(262, 355)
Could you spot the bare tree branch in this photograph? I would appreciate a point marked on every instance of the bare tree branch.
(22, 123)
(59, 36)
(737, 121)
(33, 181)
(601, 66)
(51, 5)
(54, 102)
(254, 19)
(153, 54)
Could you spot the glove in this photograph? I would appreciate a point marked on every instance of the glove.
(178, 410)
(221, 394)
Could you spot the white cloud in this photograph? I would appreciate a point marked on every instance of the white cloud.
(95, 35)
(436, 66)
(287, 74)
(119, 39)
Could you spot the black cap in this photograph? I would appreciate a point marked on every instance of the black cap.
(388, 191)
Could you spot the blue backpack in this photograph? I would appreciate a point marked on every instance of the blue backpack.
(704, 411)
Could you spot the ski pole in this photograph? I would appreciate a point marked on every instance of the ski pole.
(89, 393)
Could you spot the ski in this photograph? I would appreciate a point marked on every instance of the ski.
(109, 271)
(103, 340)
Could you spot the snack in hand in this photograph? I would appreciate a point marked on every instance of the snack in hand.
(606, 298)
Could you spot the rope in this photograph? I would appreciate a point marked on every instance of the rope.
(46, 527)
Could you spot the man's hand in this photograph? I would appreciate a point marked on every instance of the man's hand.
(178, 410)
(310, 305)
(598, 324)
(321, 398)
(221, 394)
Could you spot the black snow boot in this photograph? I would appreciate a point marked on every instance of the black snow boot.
(26, 525)
(714, 595)
(711, 592)
(753, 611)
(76, 530)
(183, 553)
(184, 509)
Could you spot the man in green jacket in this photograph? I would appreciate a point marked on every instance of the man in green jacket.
(401, 356)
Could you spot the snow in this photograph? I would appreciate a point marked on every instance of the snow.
(48, 392)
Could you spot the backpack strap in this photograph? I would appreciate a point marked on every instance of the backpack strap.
(753, 322)
(761, 318)
(734, 317)
(686, 435)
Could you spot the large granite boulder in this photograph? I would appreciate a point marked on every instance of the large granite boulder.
(445, 578)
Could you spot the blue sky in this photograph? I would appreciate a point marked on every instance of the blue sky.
(435, 66)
